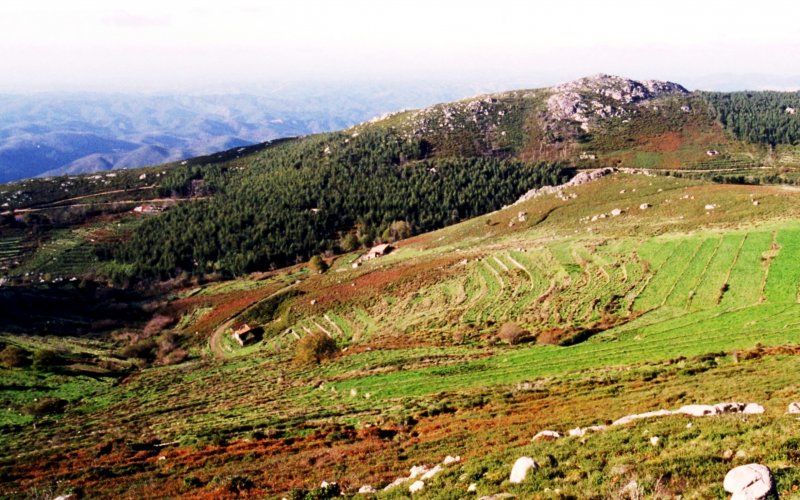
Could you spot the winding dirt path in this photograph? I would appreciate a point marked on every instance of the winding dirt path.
(215, 341)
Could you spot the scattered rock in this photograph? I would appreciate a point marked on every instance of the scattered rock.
(522, 216)
(577, 432)
(729, 407)
(520, 470)
(472, 488)
(429, 474)
(546, 436)
(451, 460)
(579, 179)
(741, 454)
(631, 490)
(397, 482)
(727, 455)
(711, 206)
(616, 212)
(353, 392)
(748, 482)
(644, 206)
(416, 486)
(755, 202)
(753, 409)
(638, 416)
(654, 440)
(417, 470)
(794, 408)
(697, 410)
(366, 489)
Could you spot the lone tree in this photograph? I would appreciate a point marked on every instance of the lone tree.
(314, 348)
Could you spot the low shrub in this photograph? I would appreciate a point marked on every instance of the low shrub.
(48, 360)
(46, 406)
(157, 324)
(14, 357)
(512, 334)
(318, 264)
(143, 349)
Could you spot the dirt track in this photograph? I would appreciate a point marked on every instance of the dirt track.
(215, 341)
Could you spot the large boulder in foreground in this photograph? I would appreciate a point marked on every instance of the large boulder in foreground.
(749, 482)
(520, 470)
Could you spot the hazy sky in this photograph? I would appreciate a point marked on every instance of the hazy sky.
(165, 45)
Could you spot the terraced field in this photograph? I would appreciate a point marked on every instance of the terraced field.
(11, 248)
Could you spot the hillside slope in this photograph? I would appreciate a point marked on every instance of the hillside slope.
(637, 292)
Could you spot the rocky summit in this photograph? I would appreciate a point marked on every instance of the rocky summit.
(604, 96)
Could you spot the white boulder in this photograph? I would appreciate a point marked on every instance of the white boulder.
(753, 409)
(698, 410)
(366, 489)
(794, 408)
(546, 436)
(451, 460)
(732, 407)
(748, 482)
(577, 432)
(638, 416)
(417, 470)
(472, 488)
(654, 440)
(416, 486)
(616, 212)
(520, 470)
(644, 206)
(429, 474)
(397, 482)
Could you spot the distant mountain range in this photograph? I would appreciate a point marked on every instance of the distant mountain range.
(55, 134)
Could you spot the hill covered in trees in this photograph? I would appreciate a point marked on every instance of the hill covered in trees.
(314, 196)
(277, 203)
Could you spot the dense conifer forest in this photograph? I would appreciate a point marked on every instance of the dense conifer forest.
(759, 117)
(316, 195)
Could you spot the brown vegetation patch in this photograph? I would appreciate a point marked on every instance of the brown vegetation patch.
(667, 142)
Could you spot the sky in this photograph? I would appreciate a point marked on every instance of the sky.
(177, 45)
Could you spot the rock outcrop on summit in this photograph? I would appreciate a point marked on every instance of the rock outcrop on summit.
(603, 96)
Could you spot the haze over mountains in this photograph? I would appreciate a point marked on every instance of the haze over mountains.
(54, 134)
